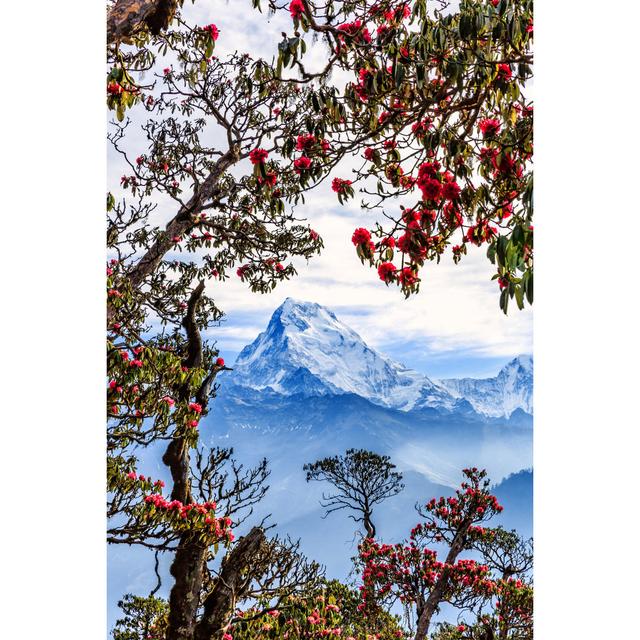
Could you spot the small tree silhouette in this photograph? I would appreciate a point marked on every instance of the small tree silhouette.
(361, 478)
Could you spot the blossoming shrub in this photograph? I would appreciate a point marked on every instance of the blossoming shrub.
(421, 576)
(330, 612)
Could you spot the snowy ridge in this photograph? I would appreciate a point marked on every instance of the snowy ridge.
(511, 389)
(306, 350)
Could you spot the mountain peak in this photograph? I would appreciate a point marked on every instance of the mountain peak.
(301, 315)
(524, 360)
(503, 394)
(306, 349)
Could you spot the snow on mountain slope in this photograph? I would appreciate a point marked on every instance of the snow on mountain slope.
(307, 350)
(511, 389)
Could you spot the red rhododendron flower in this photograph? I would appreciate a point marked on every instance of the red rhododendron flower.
(339, 185)
(420, 128)
(301, 164)
(355, 29)
(504, 72)
(399, 13)
(480, 233)
(195, 407)
(114, 89)
(450, 191)
(507, 164)
(428, 216)
(369, 153)
(403, 242)
(389, 242)
(487, 154)
(386, 271)
(490, 127)
(212, 30)
(360, 236)
(270, 180)
(296, 8)
(220, 362)
(505, 211)
(305, 142)
(407, 277)
(430, 188)
(258, 156)
(428, 170)
(383, 117)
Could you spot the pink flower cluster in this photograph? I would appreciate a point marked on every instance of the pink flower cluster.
(200, 515)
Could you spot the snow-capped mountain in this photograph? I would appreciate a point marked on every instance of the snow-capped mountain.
(306, 350)
(511, 389)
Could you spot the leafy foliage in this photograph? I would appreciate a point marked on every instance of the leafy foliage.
(437, 108)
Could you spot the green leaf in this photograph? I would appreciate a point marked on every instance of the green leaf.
(519, 297)
(528, 286)
(504, 300)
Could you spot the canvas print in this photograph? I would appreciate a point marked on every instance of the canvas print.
(319, 321)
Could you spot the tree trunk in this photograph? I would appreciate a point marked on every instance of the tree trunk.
(438, 591)
(187, 567)
(126, 17)
(188, 570)
(181, 224)
(369, 526)
(230, 586)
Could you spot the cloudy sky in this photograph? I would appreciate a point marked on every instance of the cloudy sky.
(452, 328)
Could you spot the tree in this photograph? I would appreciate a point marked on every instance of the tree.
(437, 113)
(161, 373)
(361, 478)
(328, 610)
(496, 592)
(144, 618)
(437, 109)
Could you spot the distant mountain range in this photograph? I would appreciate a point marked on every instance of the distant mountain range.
(305, 350)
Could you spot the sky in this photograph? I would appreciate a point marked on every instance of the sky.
(452, 328)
